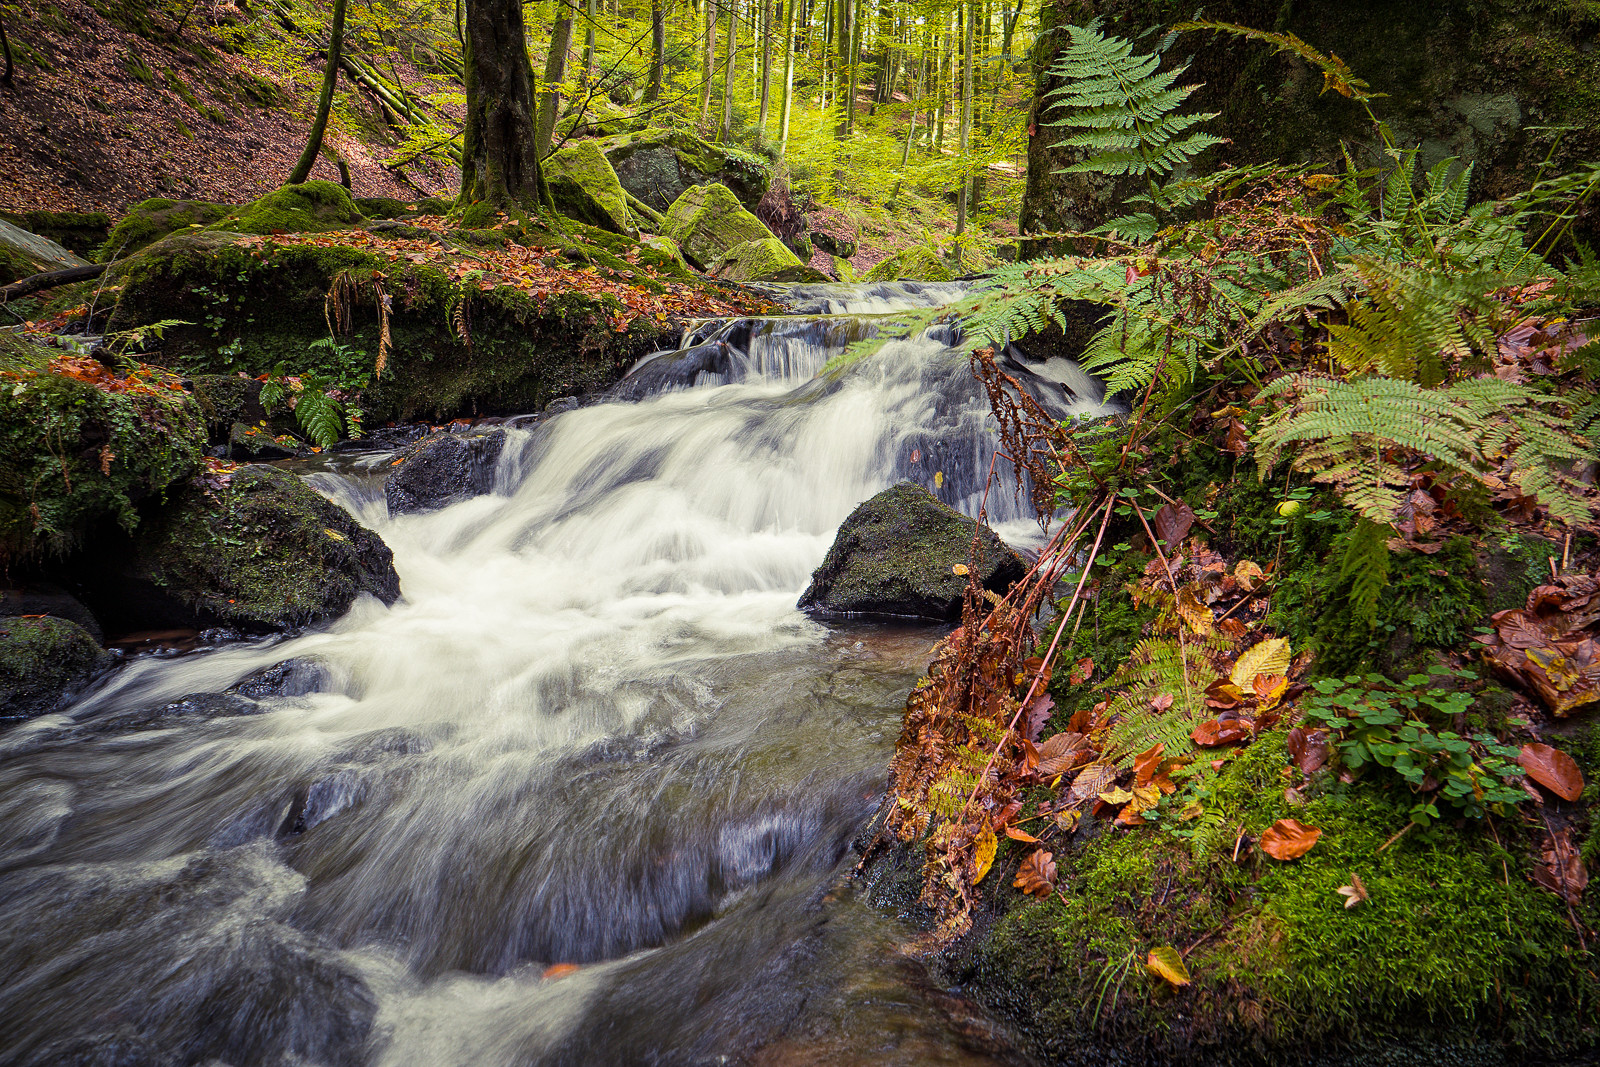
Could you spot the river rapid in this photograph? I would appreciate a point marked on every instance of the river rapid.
(585, 795)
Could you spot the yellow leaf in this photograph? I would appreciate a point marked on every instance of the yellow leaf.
(1247, 574)
(1146, 796)
(938, 479)
(983, 850)
(1269, 657)
(1166, 964)
(1117, 796)
(1197, 615)
(959, 568)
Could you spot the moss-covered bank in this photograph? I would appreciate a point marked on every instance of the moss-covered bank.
(41, 659)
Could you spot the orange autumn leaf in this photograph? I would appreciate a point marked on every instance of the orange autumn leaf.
(1289, 839)
(1021, 835)
(1553, 769)
(1037, 876)
(561, 970)
(1166, 963)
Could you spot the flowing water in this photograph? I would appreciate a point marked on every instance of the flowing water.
(594, 732)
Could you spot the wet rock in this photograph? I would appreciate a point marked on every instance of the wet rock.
(797, 275)
(291, 678)
(192, 708)
(896, 554)
(834, 245)
(23, 254)
(584, 187)
(671, 370)
(755, 261)
(443, 469)
(921, 264)
(708, 221)
(262, 552)
(658, 166)
(43, 662)
(49, 600)
(194, 957)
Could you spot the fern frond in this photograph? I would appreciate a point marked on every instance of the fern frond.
(1336, 74)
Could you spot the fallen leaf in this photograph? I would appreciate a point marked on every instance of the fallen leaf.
(959, 568)
(1037, 875)
(1267, 657)
(1090, 781)
(1561, 868)
(1248, 575)
(1081, 672)
(1212, 733)
(1060, 753)
(1289, 839)
(561, 970)
(1308, 749)
(1116, 796)
(984, 847)
(1037, 714)
(1020, 835)
(1147, 764)
(1162, 701)
(1165, 963)
(1553, 769)
(1223, 694)
(1173, 523)
(1269, 689)
(1354, 893)
(1200, 618)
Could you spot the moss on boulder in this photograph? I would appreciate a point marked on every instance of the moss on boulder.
(311, 207)
(663, 253)
(657, 166)
(43, 660)
(261, 552)
(917, 264)
(150, 220)
(23, 254)
(80, 232)
(754, 261)
(707, 221)
(73, 454)
(898, 554)
(583, 186)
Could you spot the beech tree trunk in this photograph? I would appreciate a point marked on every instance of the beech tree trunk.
(658, 51)
(319, 125)
(788, 79)
(555, 72)
(708, 64)
(766, 64)
(728, 73)
(965, 134)
(499, 145)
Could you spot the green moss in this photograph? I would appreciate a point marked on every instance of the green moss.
(150, 220)
(77, 231)
(310, 207)
(384, 207)
(754, 261)
(40, 660)
(72, 455)
(583, 186)
(707, 221)
(919, 264)
(663, 254)
(478, 215)
(263, 551)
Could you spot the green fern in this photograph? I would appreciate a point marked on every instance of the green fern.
(1413, 322)
(1156, 666)
(1122, 108)
(318, 413)
(1365, 565)
(1336, 74)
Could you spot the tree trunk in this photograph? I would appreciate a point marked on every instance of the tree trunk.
(319, 125)
(844, 11)
(5, 46)
(555, 72)
(966, 126)
(588, 43)
(499, 157)
(766, 63)
(788, 80)
(658, 51)
(728, 72)
(708, 63)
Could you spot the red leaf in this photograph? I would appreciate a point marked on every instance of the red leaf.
(1288, 839)
(1553, 769)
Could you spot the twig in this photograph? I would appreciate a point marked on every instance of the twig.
(1566, 549)
(1403, 831)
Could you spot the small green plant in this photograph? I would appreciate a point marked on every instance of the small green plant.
(1375, 722)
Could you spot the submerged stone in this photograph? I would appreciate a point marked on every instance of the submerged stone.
(897, 554)
(707, 221)
(443, 469)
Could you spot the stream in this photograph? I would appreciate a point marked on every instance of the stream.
(585, 795)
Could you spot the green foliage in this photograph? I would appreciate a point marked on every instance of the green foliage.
(1160, 667)
(1377, 722)
(1364, 564)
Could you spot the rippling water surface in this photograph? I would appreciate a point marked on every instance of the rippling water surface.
(594, 732)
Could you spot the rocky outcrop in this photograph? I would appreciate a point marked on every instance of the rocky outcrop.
(754, 261)
(443, 469)
(42, 661)
(658, 166)
(584, 187)
(261, 552)
(23, 254)
(150, 220)
(311, 207)
(916, 264)
(671, 370)
(708, 221)
(903, 553)
(833, 244)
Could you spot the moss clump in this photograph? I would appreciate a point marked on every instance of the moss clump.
(262, 552)
(77, 231)
(150, 220)
(707, 221)
(384, 207)
(917, 264)
(583, 186)
(896, 555)
(1453, 948)
(72, 455)
(663, 254)
(754, 261)
(311, 207)
(42, 659)
(659, 165)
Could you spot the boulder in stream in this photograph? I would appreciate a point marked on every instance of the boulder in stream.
(755, 261)
(896, 555)
(442, 469)
(708, 221)
(41, 661)
(918, 263)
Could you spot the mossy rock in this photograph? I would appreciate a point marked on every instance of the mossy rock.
(226, 399)
(80, 232)
(707, 221)
(1454, 958)
(916, 264)
(443, 469)
(755, 261)
(658, 166)
(384, 207)
(311, 207)
(797, 275)
(23, 254)
(72, 455)
(583, 186)
(262, 552)
(150, 220)
(905, 553)
(663, 254)
(42, 661)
